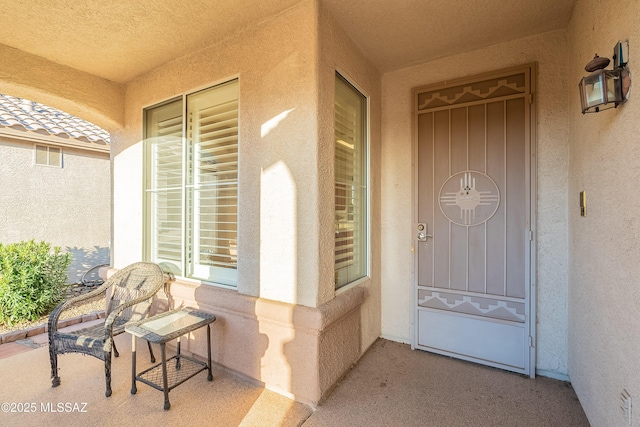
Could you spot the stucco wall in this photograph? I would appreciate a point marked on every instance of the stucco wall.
(278, 180)
(84, 95)
(604, 303)
(549, 51)
(338, 52)
(68, 207)
(284, 326)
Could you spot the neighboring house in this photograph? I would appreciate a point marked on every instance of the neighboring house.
(321, 173)
(56, 182)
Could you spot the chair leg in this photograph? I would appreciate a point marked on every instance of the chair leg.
(115, 350)
(107, 372)
(153, 358)
(53, 357)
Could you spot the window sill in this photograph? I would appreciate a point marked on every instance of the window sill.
(353, 284)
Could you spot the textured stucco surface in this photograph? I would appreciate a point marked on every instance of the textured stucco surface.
(84, 95)
(548, 50)
(286, 69)
(122, 39)
(395, 35)
(338, 52)
(275, 64)
(67, 207)
(126, 38)
(294, 350)
(604, 303)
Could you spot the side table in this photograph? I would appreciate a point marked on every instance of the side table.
(161, 329)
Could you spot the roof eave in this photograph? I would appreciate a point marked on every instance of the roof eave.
(99, 146)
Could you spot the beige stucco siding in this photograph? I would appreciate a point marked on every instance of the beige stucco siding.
(284, 326)
(68, 207)
(338, 52)
(278, 196)
(604, 308)
(549, 51)
(84, 95)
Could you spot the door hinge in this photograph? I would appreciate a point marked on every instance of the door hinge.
(530, 235)
(530, 97)
(531, 341)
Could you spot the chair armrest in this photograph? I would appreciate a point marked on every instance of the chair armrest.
(57, 311)
(108, 324)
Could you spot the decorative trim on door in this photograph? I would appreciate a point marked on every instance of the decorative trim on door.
(479, 306)
(478, 91)
(469, 198)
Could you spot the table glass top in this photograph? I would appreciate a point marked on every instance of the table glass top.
(171, 323)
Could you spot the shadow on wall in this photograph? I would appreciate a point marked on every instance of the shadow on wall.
(83, 259)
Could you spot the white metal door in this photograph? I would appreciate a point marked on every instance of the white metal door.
(473, 233)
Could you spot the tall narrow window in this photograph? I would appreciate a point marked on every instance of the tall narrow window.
(192, 184)
(351, 231)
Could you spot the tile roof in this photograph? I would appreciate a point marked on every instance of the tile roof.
(30, 116)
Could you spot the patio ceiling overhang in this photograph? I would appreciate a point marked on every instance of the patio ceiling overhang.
(118, 40)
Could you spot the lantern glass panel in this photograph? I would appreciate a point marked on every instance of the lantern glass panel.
(614, 87)
(594, 89)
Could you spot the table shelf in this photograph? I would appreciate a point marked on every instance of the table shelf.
(188, 368)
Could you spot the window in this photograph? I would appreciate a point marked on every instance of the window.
(48, 156)
(191, 185)
(351, 231)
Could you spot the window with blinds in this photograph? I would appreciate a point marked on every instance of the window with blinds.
(350, 163)
(192, 184)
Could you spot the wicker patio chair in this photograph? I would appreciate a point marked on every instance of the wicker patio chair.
(131, 297)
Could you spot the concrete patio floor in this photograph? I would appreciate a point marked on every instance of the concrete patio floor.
(390, 386)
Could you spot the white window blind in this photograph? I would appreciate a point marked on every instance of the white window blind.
(350, 164)
(213, 183)
(165, 185)
(192, 184)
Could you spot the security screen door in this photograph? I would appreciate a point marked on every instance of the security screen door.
(472, 230)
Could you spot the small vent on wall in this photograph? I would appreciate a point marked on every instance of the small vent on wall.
(625, 405)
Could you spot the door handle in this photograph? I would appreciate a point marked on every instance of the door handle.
(422, 232)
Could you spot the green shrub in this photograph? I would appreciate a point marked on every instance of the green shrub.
(32, 280)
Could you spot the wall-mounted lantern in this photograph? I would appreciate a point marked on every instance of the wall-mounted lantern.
(606, 88)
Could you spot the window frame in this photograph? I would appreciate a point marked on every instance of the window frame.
(48, 148)
(187, 265)
(366, 179)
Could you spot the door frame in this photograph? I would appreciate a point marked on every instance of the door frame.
(530, 172)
